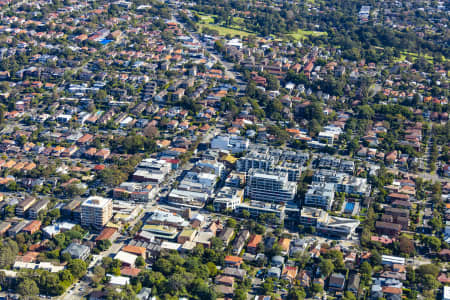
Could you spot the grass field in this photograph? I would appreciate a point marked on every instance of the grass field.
(238, 28)
(302, 34)
(207, 19)
(225, 30)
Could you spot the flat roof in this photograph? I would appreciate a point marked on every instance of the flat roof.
(96, 201)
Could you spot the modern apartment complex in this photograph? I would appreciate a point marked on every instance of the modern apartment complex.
(269, 186)
(273, 160)
(320, 195)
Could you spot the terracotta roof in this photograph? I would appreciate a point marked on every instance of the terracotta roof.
(235, 259)
(255, 240)
(106, 234)
(392, 290)
(129, 271)
(284, 243)
(134, 250)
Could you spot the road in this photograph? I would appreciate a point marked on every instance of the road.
(216, 57)
(80, 289)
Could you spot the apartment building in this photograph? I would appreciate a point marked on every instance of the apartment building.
(232, 143)
(320, 195)
(270, 186)
(273, 161)
(37, 207)
(24, 205)
(343, 182)
(96, 211)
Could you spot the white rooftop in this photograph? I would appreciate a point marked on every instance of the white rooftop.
(118, 280)
(126, 257)
(96, 201)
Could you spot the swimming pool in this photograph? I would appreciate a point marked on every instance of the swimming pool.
(349, 207)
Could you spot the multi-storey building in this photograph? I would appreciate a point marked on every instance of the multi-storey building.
(96, 211)
(320, 195)
(343, 182)
(228, 198)
(328, 225)
(269, 186)
(273, 160)
(233, 143)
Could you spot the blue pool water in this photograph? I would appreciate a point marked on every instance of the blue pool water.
(349, 206)
(105, 41)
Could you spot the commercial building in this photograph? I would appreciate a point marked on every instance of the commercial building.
(199, 182)
(310, 216)
(255, 160)
(258, 208)
(228, 198)
(185, 198)
(96, 211)
(161, 231)
(233, 143)
(162, 217)
(336, 227)
(320, 195)
(269, 186)
(206, 165)
(328, 225)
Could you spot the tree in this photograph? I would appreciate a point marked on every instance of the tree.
(267, 286)
(240, 294)
(406, 245)
(216, 243)
(429, 282)
(296, 293)
(103, 245)
(349, 296)
(326, 267)
(201, 289)
(428, 269)
(151, 131)
(317, 288)
(212, 269)
(231, 223)
(140, 261)
(8, 251)
(77, 267)
(375, 259)
(366, 112)
(336, 257)
(28, 288)
(366, 270)
(99, 273)
(433, 242)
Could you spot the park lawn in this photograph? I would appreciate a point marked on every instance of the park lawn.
(415, 56)
(207, 19)
(301, 34)
(225, 30)
(239, 20)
